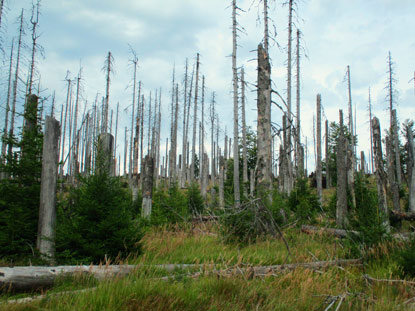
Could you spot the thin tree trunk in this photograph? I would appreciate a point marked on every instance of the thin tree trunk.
(116, 132)
(396, 149)
(131, 168)
(237, 195)
(34, 21)
(9, 85)
(244, 155)
(298, 159)
(411, 168)
(328, 175)
(202, 145)
(371, 133)
(183, 162)
(192, 168)
(137, 131)
(108, 65)
(15, 86)
(289, 109)
(381, 178)
(318, 169)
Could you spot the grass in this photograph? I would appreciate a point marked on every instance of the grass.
(301, 289)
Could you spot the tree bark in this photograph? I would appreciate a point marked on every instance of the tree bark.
(318, 169)
(381, 178)
(411, 168)
(264, 171)
(192, 167)
(147, 186)
(328, 175)
(47, 208)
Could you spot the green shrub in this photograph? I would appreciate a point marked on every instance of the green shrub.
(96, 222)
(169, 206)
(366, 218)
(303, 201)
(406, 259)
(194, 199)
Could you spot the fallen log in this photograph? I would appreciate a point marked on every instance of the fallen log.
(399, 216)
(31, 277)
(340, 233)
(390, 281)
(263, 271)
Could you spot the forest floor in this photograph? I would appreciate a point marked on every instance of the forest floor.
(330, 288)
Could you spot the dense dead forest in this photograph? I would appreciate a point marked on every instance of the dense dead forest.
(166, 142)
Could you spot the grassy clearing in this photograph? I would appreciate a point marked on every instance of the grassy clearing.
(297, 290)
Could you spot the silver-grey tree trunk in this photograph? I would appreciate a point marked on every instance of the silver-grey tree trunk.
(147, 186)
(192, 167)
(48, 185)
(318, 168)
(244, 150)
(411, 168)
(328, 176)
(237, 195)
(264, 169)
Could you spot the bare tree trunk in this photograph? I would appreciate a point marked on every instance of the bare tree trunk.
(221, 182)
(74, 163)
(244, 158)
(212, 141)
(289, 109)
(237, 195)
(411, 168)
(299, 161)
(116, 135)
(15, 84)
(380, 172)
(391, 173)
(173, 148)
(125, 151)
(264, 173)
(192, 167)
(142, 138)
(203, 184)
(149, 126)
(318, 169)
(134, 61)
(328, 175)
(9, 85)
(341, 206)
(34, 21)
(351, 162)
(183, 163)
(158, 141)
(396, 148)
(108, 64)
(362, 163)
(371, 134)
(47, 208)
(147, 186)
(137, 131)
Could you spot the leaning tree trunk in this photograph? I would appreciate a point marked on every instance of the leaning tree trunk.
(264, 173)
(341, 206)
(381, 178)
(47, 208)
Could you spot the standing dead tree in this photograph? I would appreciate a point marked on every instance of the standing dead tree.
(192, 166)
(381, 178)
(244, 155)
(319, 168)
(134, 61)
(351, 157)
(237, 195)
(15, 85)
(264, 170)
(408, 127)
(34, 20)
(109, 63)
(299, 152)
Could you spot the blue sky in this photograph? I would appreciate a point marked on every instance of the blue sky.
(336, 33)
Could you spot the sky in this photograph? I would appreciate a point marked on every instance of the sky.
(335, 34)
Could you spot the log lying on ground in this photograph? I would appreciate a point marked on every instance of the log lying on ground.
(397, 215)
(390, 281)
(262, 271)
(29, 278)
(340, 233)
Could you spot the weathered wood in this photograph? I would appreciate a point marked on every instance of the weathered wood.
(33, 277)
(319, 176)
(147, 186)
(47, 208)
(264, 170)
(328, 175)
(411, 167)
(381, 179)
(192, 165)
(340, 233)
(399, 215)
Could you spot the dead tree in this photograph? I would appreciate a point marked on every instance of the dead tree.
(371, 133)
(318, 168)
(381, 178)
(192, 167)
(221, 182)
(244, 157)
(237, 195)
(137, 131)
(341, 206)
(264, 168)
(298, 150)
(212, 141)
(173, 148)
(34, 21)
(15, 85)
(108, 69)
(147, 186)
(351, 157)
(328, 175)
(47, 208)
(183, 163)
(6, 119)
(411, 166)
(203, 184)
(134, 61)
